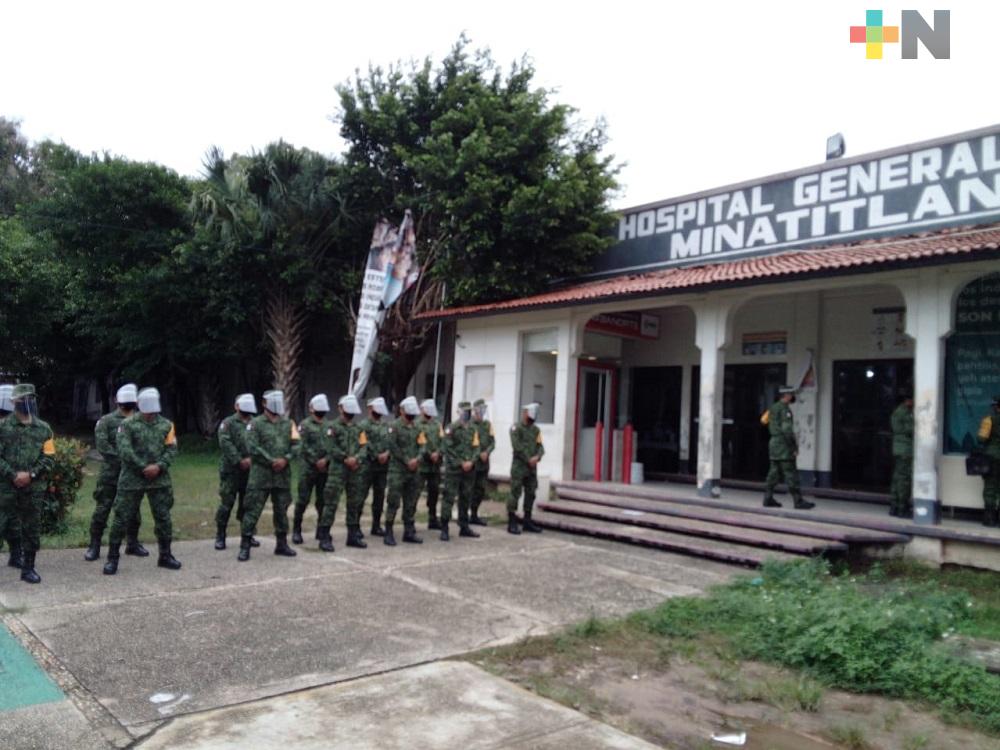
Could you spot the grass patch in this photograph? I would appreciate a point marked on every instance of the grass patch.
(850, 736)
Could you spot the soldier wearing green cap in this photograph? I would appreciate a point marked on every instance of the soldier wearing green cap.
(526, 443)
(487, 443)
(27, 447)
(989, 436)
(461, 448)
(782, 448)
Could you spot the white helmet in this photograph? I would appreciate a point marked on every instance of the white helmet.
(429, 408)
(274, 402)
(378, 406)
(410, 406)
(531, 410)
(6, 404)
(149, 401)
(127, 394)
(245, 402)
(349, 404)
(319, 402)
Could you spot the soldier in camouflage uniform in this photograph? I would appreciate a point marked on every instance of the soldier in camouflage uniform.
(902, 460)
(782, 450)
(461, 449)
(989, 435)
(526, 442)
(147, 446)
(376, 475)
(13, 526)
(313, 449)
(430, 464)
(348, 446)
(407, 448)
(234, 466)
(487, 442)
(27, 447)
(273, 440)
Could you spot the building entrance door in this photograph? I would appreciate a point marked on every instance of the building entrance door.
(747, 391)
(865, 393)
(656, 416)
(595, 403)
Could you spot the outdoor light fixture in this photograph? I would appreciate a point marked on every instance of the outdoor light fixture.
(554, 352)
(869, 373)
(835, 146)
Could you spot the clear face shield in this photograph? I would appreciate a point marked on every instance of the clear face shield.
(26, 406)
(480, 412)
(465, 415)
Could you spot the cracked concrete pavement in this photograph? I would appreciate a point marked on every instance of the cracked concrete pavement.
(148, 645)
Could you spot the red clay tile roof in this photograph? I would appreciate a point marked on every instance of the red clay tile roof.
(938, 247)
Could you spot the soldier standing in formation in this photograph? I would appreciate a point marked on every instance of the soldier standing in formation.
(782, 450)
(313, 450)
(378, 460)
(487, 442)
(526, 443)
(461, 449)
(407, 448)
(430, 465)
(234, 466)
(13, 536)
(901, 491)
(273, 440)
(105, 440)
(26, 450)
(989, 435)
(348, 456)
(147, 445)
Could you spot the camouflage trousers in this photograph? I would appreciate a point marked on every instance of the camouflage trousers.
(127, 503)
(281, 498)
(522, 478)
(310, 481)
(782, 470)
(20, 516)
(901, 490)
(404, 487)
(232, 491)
(354, 486)
(431, 483)
(991, 487)
(377, 481)
(457, 484)
(479, 488)
(104, 500)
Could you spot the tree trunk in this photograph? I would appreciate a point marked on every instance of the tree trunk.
(285, 328)
(207, 406)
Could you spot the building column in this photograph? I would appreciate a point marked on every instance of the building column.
(712, 334)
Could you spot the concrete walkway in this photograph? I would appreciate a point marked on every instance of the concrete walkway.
(148, 645)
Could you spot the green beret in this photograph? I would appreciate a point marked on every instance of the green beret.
(21, 390)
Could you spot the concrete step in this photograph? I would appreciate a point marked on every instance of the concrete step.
(712, 549)
(707, 528)
(718, 513)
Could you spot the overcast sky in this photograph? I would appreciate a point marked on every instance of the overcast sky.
(695, 94)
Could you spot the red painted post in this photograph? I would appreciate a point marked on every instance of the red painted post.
(598, 450)
(627, 454)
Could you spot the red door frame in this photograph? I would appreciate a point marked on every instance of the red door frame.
(613, 369)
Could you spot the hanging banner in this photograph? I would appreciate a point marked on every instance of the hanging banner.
(391, 270)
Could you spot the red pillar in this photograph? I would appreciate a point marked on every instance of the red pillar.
(627, 454)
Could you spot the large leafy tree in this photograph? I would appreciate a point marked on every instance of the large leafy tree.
(277, 215)
(509, 191)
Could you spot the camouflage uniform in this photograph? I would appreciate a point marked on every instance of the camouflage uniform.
(24, 447)
(106, 442)
(487, 443)
(430, 472)
(407, 441)
(314, 446)
(526, 443)
(782, 449)
(989, 435)
(902, 461)
(461, 444)
(345, 439)
(268, 442)
(234, 447)
(376, 474)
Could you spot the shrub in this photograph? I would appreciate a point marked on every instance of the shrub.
(64, 484)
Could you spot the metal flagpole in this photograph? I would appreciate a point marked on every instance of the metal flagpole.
(437, 353)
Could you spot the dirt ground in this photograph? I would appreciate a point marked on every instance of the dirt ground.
(679, 699)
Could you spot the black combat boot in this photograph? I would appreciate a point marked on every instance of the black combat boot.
(445, 536)
(388, 539)
(801, 504)
(991, 517)
(282, 548)
(134, 547)
(377, 529)
(244, 554)
(253, 541)
(476, 520)
(325, 540)
(464, 530)
(28, 574)
(15, 559)
(433, 523)
(166, 559)
(94, 549)
(355, 538)
(410, 535)
(529, 525)
(220, 536)
(297, 525)
(513, 527)
(770, 502)
(111, 566)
